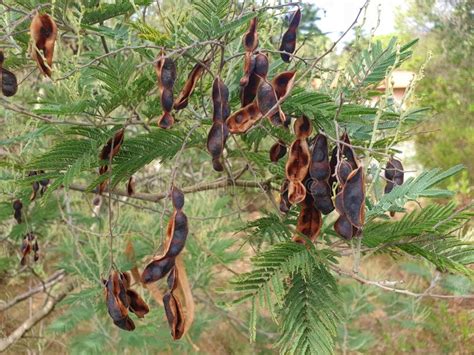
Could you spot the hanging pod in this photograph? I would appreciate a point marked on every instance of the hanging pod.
(277, 151)
(267, 103)
(166, 73)
(288, 41)
(195, 74)
(353, 198)
(174, 314)
(43, 32)
(108, 152)
(321, 193)
(244, 118)
(298, 160)
(319, 167)
(309, 221)
(250, 39)
(17, 206)
(117, 302)
(283, 83)
(258, 72)
(394, 174)
(285, 204)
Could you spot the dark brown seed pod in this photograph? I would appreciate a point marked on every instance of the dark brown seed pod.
(17, 206)
(347, 151)
(216, 142)
(115, 142)
(394, 172)
(250, 39)
(174, 314)
(296, 192)
(131, 186)
(183, 97)
(166, 73)
(261, 66)
(8, 82)
(267, 103)
(172, 280)
(303, 127)
(298, 160)
(277, 151)
(353, 197)
(256, 75)
(249, 92)
(283, 83)
(388, 187)
(179, 234)
(241, 120)
(177, 198)
(136, 304)
(25, 250)
(157, 269)
(43, 32)
(220, 100)
(35, 187)
(343, 171)
(118, 302)
(285, 204)
(309, 221)
(319, 167)
(321, 193)
(288, 42)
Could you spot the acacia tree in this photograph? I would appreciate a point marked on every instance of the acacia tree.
(114, 113)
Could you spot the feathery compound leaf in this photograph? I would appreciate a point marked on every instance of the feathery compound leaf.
(412, 189)
(311, 313)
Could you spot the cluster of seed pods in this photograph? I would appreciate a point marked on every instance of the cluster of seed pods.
(30, 243)
(320, 171)
(166, 72)
(36, 186)
(259, 97)
(350, 197)
(108, 152)
(43, 31)
(219, 131)
(8, 82)
(121, 299)
(288, 41)
(160, 266)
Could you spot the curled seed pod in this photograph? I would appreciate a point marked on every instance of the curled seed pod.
(136, 304)
(131, 186)
(283, 83)
(174, 314)
(157, 269)
(284, 202)
(241, 120)
(298, 161)
(177, 198)
(309, 221)
(183, 97)
(267, 103)
(321, 193)
(288, 42)
(277, 151)
(8, 82)
(179, 235)
(166, 72)
(113, 145)
(250, 39)
(296, 192)
(117, 302)
(303, 127)
(353, 197)
(344, 228)
(220, 100)
(17, 206)
(43, 32)
(249, 67)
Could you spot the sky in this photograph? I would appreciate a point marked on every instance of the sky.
(341, 13)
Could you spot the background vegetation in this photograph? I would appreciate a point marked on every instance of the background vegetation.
(406, 288)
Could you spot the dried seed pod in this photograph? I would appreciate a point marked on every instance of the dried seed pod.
(319, 167)
(259, 72)
(35, 248)
(332, 165)
(261, 65)
(174, 314)
(34, 186)
(249, 67)
(118, 302)
(241, 120)
(250, 39)
(179, 235)
(283, 83)
(394, 174)
(166, 72)
(172, 280)
(43, 32)
(267, 103)
(284, 202)
(321, 193)
(25, 249)
(17, 206)
(288, 42)
(108, 152)
(353, 198)
(157, 269)
(8, 82)
(309, 221)
(177, 198)
(195, 74)
(344, 169)
(347, 151)
(136, 304)
(277, 151)
(303, 127)
(220, 100)
(298, 160)
(296, 192)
